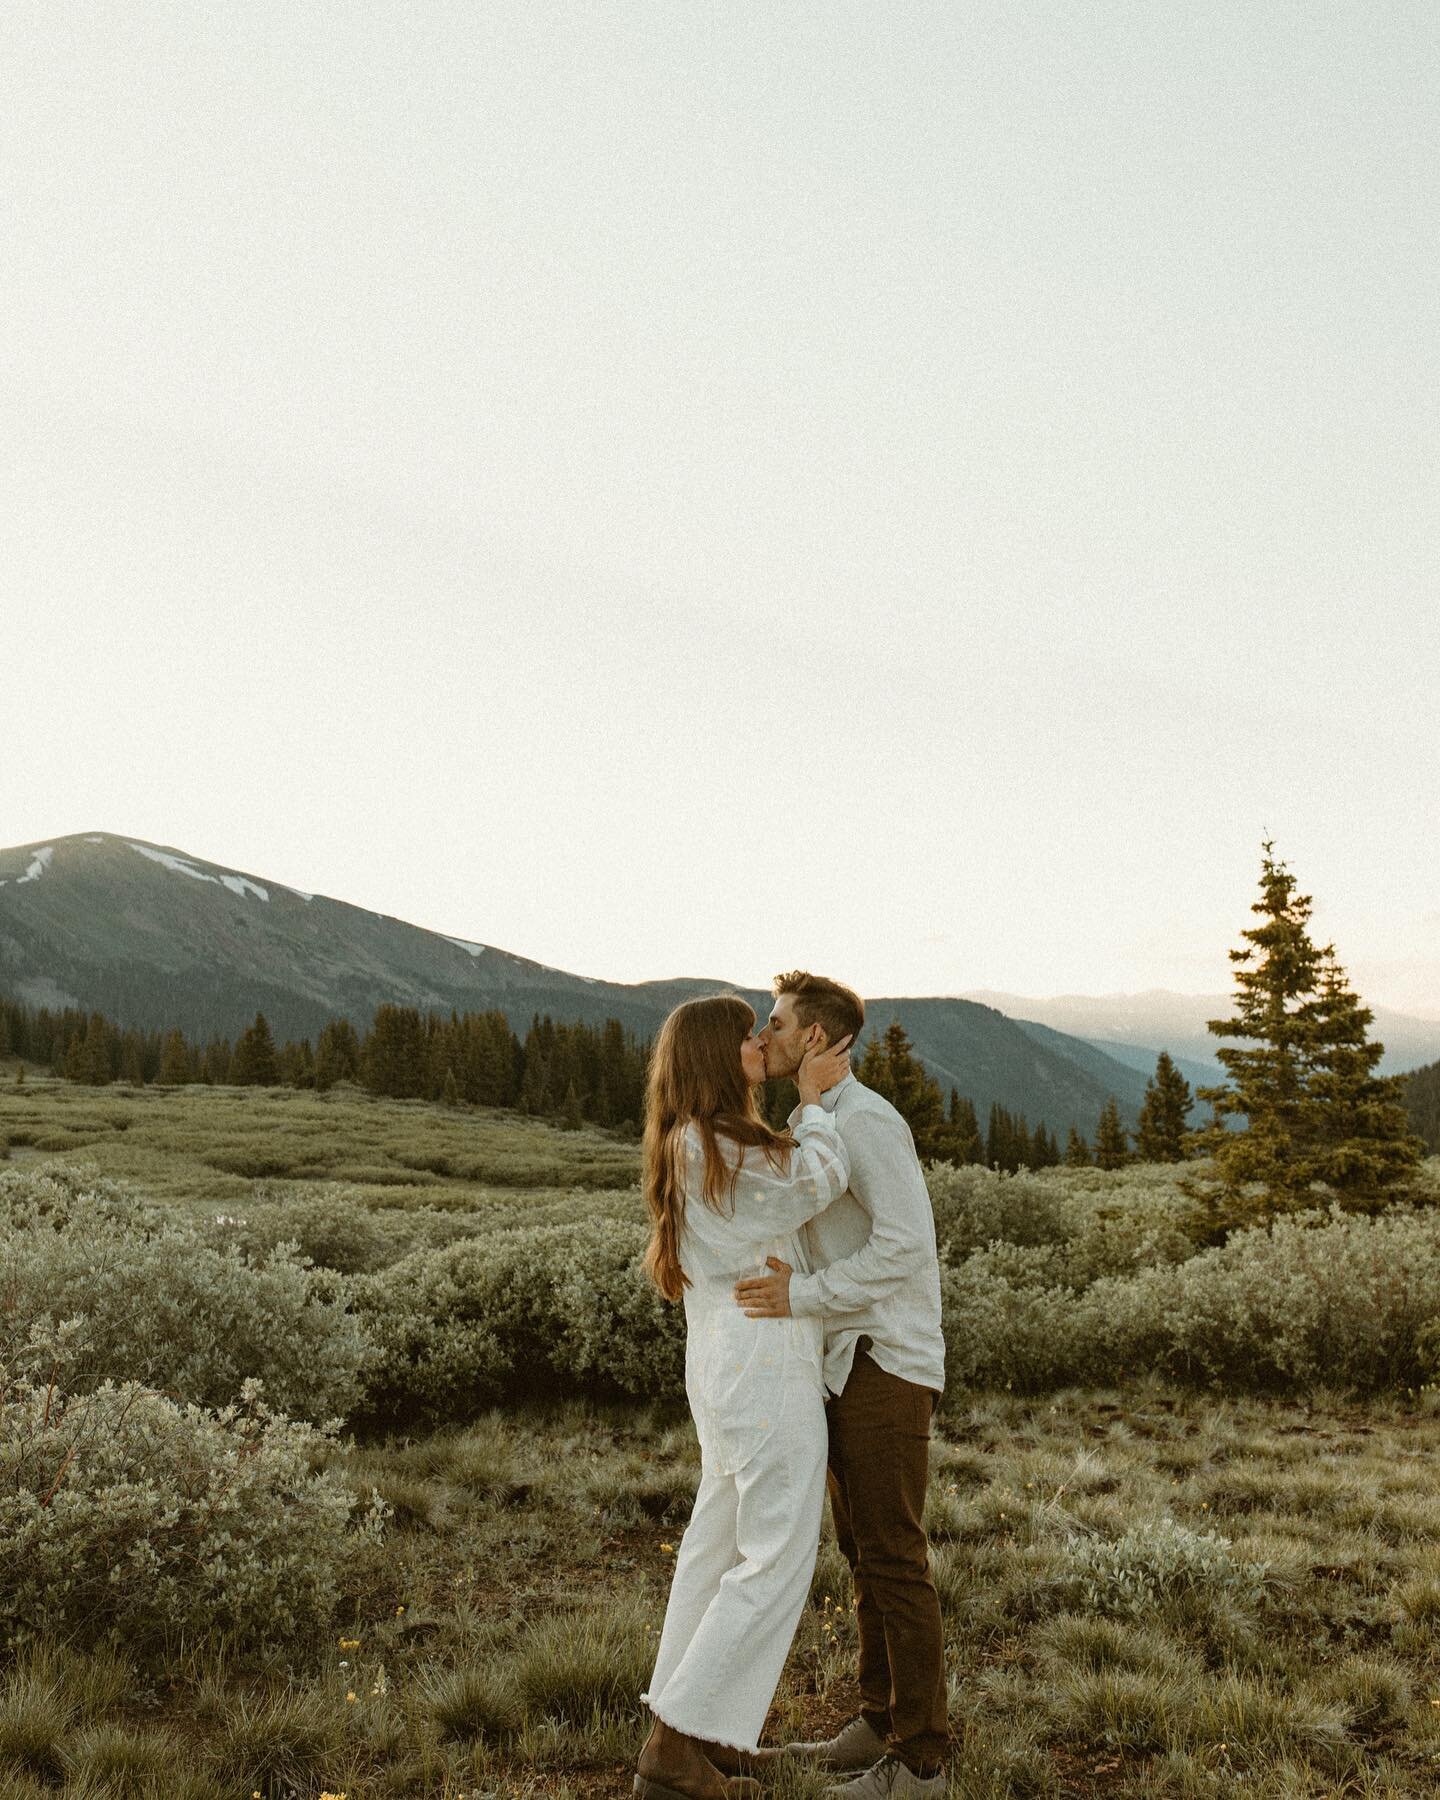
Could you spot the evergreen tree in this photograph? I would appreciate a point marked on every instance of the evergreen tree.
(1274, 972)
(20, 1075)
(254, 1063)
(1422, 1102)
(1313, 1106)
(997, 1136)
(337, 1055)
(892, 1069)
(393, 1055)
(296, 1064)
(95, 1063)
(451, 1092)
(1357, 1134)
(1046, 1151)
(571, 1117)
(175, 1062)
(1164, 1114)
(1112, 1145)
(1077, 1151)
(962, 1131)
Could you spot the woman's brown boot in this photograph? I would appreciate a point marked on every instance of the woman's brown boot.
(675, 1767)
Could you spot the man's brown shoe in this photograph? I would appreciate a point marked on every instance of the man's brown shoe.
(855, 1746)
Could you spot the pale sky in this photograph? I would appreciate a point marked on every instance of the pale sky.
(914, 490)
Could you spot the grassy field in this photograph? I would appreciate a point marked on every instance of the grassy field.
(210, 1146)
(1149, 1591)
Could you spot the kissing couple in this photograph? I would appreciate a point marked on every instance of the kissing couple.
(813, 1356)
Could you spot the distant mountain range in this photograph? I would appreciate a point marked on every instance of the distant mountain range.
(1129, 1027)
(154, 937)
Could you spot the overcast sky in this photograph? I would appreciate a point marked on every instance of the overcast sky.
(916, 490)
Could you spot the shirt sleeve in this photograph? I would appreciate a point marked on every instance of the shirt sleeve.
(775, 1201)
(886, 1178)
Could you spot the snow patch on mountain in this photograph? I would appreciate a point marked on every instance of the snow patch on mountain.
(39, 863)
(465, 945)
(237, 884)
(95, 840)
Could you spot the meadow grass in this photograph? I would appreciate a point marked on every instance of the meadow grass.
(497, 1642)
(208, 1147)
(1149, 1591)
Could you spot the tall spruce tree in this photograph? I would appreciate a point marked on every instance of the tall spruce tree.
(254, 1062)
(1077, 1151)
(96, 1065)
(891, 1067)
(1112, 1144)
(1165, 1113)
(1357, 1134)
(1276, 969)
(174, 1061)
(963, 1143)
(1314, 1109)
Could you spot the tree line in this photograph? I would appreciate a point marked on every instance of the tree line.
(1303, 1104)
(574, 1073)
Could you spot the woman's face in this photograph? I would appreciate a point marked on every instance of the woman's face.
(752, 1060)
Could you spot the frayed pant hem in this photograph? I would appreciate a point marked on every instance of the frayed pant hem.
(704, 1737)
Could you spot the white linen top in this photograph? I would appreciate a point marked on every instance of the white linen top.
(871, 1264)
(739, 1371)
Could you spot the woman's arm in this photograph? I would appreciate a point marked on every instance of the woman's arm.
(769, 1202)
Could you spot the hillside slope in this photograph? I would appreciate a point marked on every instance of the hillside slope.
(155, 937)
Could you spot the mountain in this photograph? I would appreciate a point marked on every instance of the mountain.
(154, 937)
(1139, 1026)
(1134, 1061)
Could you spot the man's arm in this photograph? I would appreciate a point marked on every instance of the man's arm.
(886, 1178)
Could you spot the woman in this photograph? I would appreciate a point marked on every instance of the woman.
(725, 1192)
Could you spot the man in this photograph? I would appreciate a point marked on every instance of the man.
(877, 1288)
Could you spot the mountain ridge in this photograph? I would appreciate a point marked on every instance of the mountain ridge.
(153, 936)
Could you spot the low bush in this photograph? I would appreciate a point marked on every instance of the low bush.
(559, 1308)
(126, 1518)
(159, 1305)
(1133, 1574)
(1343, 1299)
(330, 1224)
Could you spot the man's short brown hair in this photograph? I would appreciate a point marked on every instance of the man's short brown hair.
(837, 1010)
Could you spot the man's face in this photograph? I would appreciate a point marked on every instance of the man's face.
(785, 1040)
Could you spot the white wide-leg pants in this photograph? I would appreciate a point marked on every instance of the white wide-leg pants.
(741, 1578)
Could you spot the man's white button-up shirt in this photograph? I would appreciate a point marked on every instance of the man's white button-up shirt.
(876, 1271)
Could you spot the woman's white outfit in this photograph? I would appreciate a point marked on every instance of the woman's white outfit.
(757, 1394)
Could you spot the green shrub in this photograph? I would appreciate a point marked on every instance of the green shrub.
(160, 1306)
(1151, 1563)
(129, 1519)
(330, 1225)
(559, 1308)
(1339, 1298)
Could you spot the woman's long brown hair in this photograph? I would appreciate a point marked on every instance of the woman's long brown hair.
(695, 1074)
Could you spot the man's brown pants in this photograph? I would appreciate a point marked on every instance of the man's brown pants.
(879, 1469)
